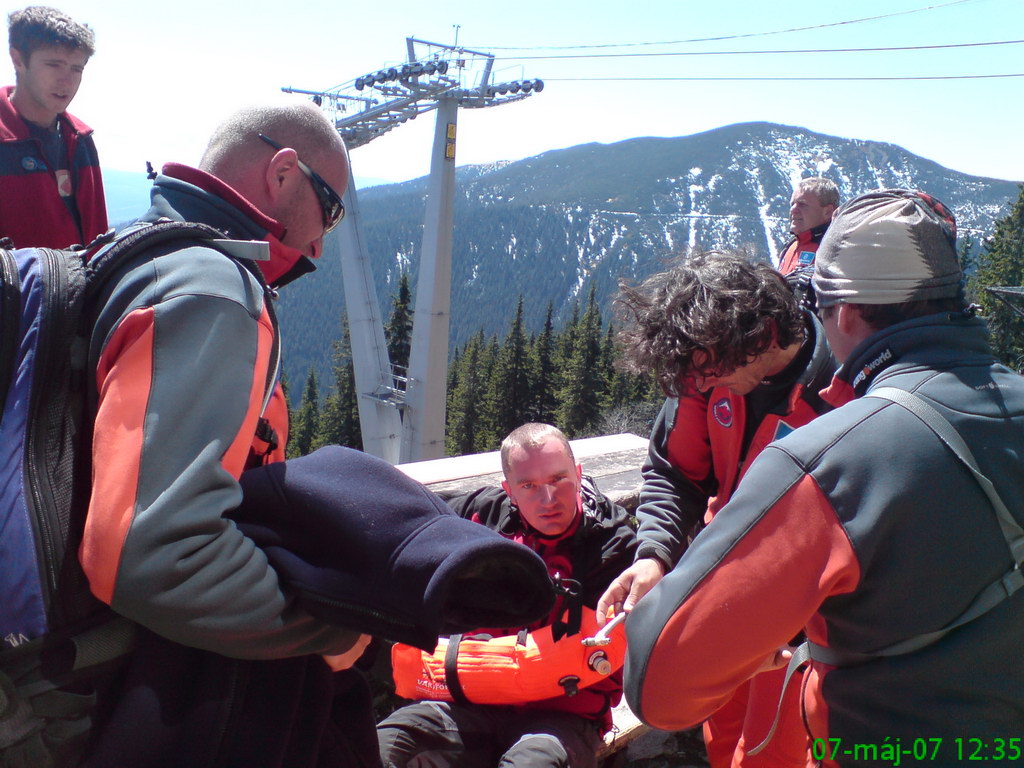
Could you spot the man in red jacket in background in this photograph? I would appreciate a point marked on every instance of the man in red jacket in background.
(51, 191)
(810, 211)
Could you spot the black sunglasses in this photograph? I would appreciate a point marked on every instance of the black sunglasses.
(330, 202)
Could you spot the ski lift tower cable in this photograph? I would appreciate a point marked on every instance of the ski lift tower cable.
(1010, 295)
(402, 417)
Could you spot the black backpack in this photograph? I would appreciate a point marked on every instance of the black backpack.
(53, 633)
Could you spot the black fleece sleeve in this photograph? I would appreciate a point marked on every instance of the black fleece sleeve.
(671, 504)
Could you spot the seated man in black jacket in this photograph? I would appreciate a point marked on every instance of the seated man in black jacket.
(586, 540)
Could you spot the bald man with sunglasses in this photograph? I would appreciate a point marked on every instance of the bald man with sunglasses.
(183, 358)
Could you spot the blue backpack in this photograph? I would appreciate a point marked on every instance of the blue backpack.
(53, 632)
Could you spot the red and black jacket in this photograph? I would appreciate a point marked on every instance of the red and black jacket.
(800, 250)
(32, 212)
(591, 553)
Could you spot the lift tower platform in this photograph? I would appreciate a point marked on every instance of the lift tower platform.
(402, 413)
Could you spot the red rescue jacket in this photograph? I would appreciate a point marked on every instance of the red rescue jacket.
(800, 250)
(32, 212)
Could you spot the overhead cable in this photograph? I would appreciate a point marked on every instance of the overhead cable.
(760, 53)
(760, 78)
(728, 37)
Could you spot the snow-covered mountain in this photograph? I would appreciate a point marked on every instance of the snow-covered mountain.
(551, 226)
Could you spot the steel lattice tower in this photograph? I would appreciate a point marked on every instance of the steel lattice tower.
(402, 413)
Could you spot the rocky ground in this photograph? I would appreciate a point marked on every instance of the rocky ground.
(660, 749)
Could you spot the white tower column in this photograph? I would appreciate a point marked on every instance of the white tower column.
(423, 427)
(379, 417)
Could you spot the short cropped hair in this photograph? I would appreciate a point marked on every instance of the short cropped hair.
(39, 26)
(824, 189)
(531, 435)
(718, 304)
(300, 126)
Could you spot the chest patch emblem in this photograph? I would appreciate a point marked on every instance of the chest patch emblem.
(806, 257)
(64, 184)
(31, 164)
(722, 411)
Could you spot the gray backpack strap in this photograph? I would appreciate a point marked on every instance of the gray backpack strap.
(1012, 531)
(801, 655)
(990, 596)
(986, 600)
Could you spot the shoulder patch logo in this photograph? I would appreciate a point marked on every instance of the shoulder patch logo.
(781, 430)
(884, 356)
(723, 412)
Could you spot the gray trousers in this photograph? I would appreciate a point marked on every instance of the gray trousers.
(435, 734)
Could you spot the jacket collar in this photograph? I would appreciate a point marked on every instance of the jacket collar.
(818, 373)
(184, 193)
(14, 128)
(932, 341)
(812, 235)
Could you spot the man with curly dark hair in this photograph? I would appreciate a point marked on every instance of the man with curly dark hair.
(51, 190)
(742, 365)
(714, 318)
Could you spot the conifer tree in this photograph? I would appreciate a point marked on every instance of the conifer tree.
(465, 400)
(399, 328)
(509, 391)
(583, 386)
(304, 427)
(567, 338)
(339, 417)
(544, 373)
(1001, 263)
(453, 382)
(965, 251)
(487, 438)
(615, 383)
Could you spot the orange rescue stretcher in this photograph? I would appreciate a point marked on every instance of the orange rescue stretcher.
(513, 669)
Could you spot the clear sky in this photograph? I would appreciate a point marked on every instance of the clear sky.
(166, 73)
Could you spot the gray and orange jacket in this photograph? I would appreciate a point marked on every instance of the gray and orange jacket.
(861, 529)
(32, 212)
(801, 249)
(702, 444)
(592, 552)
(181, 352)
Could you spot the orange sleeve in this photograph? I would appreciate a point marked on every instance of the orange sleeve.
(749, 583)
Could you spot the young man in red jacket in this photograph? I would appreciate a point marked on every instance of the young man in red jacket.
(51, 192)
